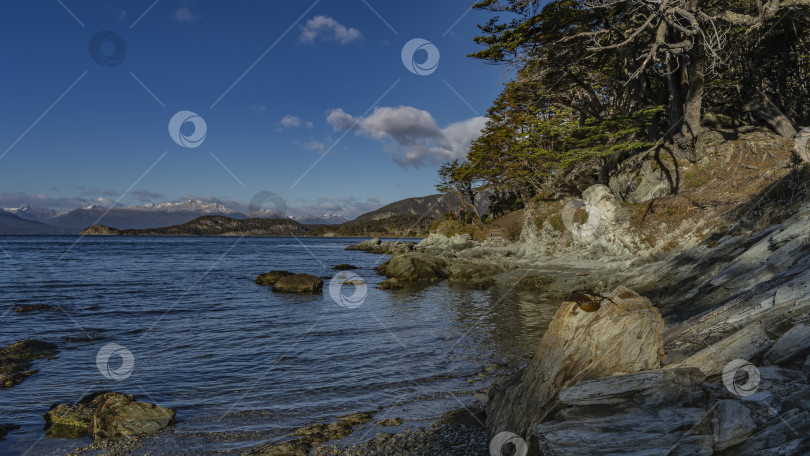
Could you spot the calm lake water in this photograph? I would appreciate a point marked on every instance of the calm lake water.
(241, 364)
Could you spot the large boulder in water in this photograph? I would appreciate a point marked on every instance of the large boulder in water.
(299, 283)
(107, 415)
(587, 339)
(271, 277)
(414, 267)
(17, 359)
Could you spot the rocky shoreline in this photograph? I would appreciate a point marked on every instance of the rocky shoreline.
(704, 350)
(739, 320)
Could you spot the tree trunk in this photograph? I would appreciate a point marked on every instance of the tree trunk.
(693, 104)
(675, 106)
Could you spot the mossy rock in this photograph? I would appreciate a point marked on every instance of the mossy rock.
(16, 360)
(391, 422)
(319, 433)
(299, 283)
(356, 419)
(106, 415)
(297, 447)
(481, 284)
(271, 277)
(535, 282)
(390, 284)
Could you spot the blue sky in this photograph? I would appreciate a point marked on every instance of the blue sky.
(335, 81)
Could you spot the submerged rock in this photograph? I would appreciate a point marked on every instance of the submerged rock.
(106, 415)
(414, 267)
(622, 336)
(17, 359)
(271, 277)
(299, 283)
(391, 422)
(356, 419)
(5, 428)
(344, 267)
(33, 308)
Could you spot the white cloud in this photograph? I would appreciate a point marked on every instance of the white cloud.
(317, 146)
(291, 121)
(186, 15)
(328, 29)
(415, 136)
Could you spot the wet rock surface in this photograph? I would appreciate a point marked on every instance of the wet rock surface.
(16, 360)
(270, 278)
(298, 283)
(106, 415)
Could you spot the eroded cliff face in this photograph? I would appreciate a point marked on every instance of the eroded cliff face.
(657, 204)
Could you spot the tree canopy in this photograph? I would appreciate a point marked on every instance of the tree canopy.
(598, 81)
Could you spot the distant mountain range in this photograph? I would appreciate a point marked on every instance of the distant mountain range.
(12, 224)
(37, 220)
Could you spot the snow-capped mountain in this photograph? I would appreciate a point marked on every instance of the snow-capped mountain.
(35, 213)
(153, 215)
(326, 219)
(191, 205)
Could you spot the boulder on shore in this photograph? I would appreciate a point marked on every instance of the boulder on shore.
(621, 335)
(382, 248)
(299, 283)
(106, 415)
(17, 359)
(271, 277)
(414, 267)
